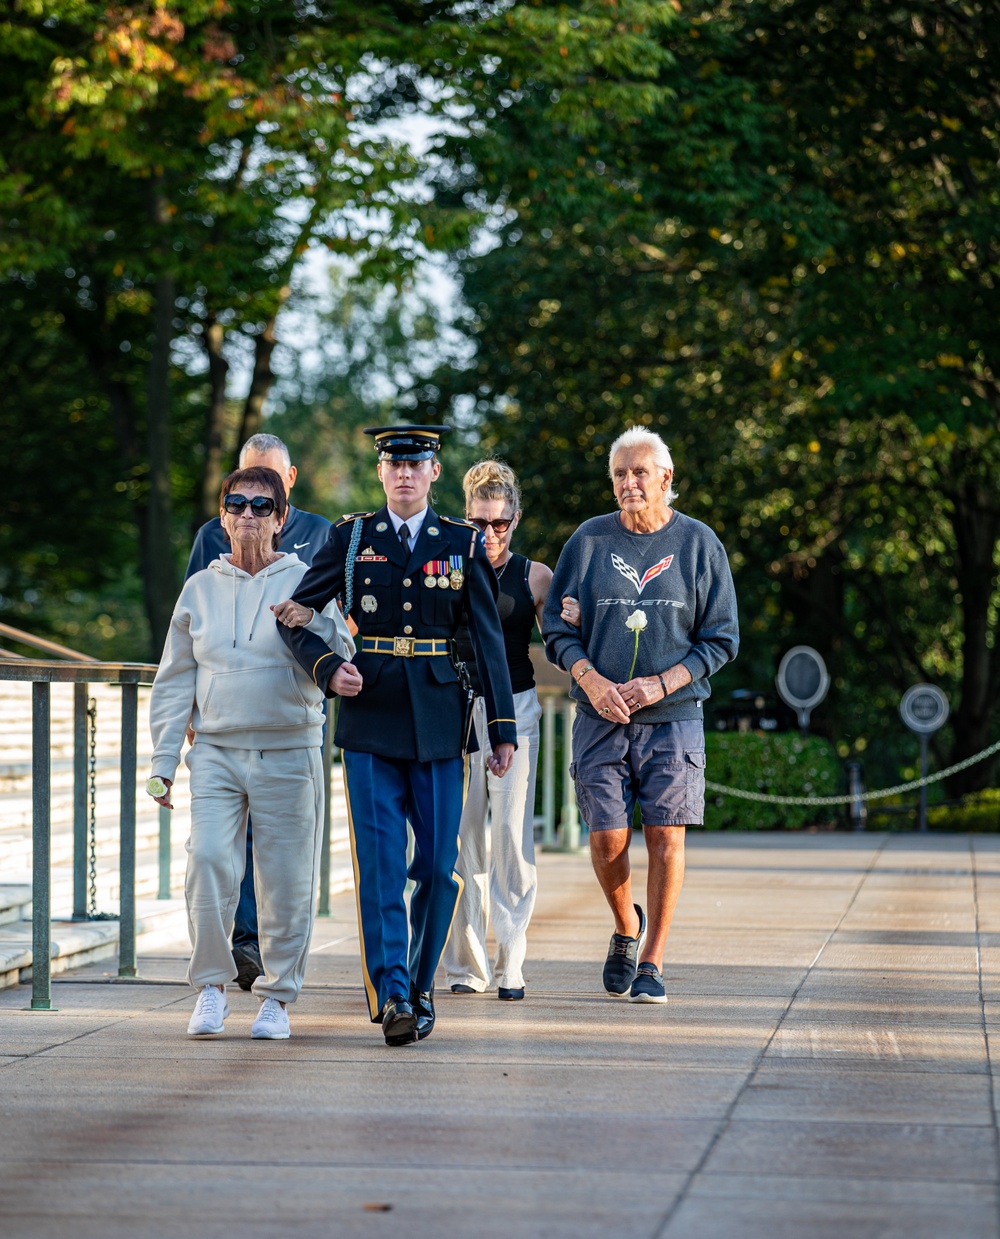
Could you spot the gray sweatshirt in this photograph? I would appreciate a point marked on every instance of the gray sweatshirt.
(226, 670)
(677, 580)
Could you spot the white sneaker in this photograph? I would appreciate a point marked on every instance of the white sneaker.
(210, 1011)
(271, 1023)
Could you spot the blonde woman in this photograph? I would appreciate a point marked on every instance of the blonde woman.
(500, 880)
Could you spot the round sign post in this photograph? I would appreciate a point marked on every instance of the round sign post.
(924, 709)
(802, 682)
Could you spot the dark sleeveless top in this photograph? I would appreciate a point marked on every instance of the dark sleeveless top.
(517, 619)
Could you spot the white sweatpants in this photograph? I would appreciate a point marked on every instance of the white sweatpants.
(283, 790)
(504, 875)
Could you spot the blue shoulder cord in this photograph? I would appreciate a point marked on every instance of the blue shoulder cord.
(352, 552)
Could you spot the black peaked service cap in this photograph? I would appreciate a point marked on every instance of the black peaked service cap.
(406, 442)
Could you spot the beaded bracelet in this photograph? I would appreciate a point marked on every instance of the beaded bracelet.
(589, 667)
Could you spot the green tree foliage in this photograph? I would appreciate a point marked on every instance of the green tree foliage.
(789, 268)
(166, 165)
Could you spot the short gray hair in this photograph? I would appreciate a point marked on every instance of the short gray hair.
(648, 441)
(261, 444)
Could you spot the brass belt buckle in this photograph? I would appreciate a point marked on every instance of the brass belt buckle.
(402, 647)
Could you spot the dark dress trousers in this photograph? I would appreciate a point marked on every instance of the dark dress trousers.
(402, 736)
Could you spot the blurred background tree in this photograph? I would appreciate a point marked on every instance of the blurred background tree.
(789, 269)
(766, 228)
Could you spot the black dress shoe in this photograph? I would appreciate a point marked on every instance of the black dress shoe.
(399, 1023)
(423, 1005)
(248, 965)
(510, 995)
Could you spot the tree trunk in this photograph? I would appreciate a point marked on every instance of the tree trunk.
(215, 424)
(159, 571)
(260, 384)
(976, 523)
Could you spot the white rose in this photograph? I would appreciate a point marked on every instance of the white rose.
(636, 621)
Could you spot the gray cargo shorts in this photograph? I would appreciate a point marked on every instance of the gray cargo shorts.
(659, 766)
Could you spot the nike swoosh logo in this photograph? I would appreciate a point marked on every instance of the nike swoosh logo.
(297, 546)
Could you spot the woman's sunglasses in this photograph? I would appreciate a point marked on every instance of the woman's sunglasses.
(500, 527)
(260, 505)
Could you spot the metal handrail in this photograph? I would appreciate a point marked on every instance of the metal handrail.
(42, 674)
(41, 643)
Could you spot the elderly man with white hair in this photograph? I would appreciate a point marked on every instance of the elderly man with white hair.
(641, 611)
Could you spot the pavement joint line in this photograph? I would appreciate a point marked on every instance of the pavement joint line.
(727, 1117)
(334, 942)
(985, 1023)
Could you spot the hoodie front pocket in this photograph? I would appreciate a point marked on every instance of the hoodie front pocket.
(251, 698)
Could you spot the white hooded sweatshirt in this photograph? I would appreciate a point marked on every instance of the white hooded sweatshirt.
(227, 672)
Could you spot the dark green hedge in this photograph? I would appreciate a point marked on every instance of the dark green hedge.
(979, 811)
(782, 764)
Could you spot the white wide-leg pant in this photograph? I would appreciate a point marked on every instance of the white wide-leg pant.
(502, 879)
(283, 790)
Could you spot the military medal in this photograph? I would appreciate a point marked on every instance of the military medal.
(457, 580)
(369, 604)
(436, 573)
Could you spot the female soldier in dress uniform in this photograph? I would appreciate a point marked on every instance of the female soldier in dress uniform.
(407, 578)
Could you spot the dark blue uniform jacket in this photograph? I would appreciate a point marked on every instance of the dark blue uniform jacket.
(409, 708)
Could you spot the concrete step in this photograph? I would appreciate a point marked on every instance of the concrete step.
(159, 923)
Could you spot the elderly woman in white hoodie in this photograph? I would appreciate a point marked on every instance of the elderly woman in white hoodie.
(257, 718)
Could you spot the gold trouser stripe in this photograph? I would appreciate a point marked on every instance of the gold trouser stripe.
(317, 663)
(369, 987)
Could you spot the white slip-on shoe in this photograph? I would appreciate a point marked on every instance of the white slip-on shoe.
(271, 1023)
(210, 1011)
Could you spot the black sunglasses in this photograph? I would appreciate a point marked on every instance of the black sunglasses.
(260, 505)
(499, 527)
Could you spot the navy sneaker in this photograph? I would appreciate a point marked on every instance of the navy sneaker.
(619, 967)
(648, 985)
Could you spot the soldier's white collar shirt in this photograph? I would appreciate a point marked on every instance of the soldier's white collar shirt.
(412, 523)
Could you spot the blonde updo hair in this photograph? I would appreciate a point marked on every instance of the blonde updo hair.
(492, 479)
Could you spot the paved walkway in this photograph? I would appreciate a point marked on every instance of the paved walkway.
(823, 1069)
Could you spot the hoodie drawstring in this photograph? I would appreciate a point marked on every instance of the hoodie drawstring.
(256, 612)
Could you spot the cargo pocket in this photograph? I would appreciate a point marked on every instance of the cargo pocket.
(694, 788)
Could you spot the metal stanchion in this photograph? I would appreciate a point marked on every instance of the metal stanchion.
(80, 692)
(548, 771)
(41, 848)
(126, 916)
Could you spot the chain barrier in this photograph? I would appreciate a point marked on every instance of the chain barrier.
(853, 798)
(92, 912)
